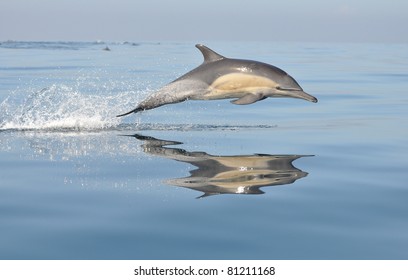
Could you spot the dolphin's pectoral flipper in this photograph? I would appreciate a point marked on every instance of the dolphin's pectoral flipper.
(248, 99)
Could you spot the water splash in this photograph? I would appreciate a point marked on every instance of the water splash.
(60, 107)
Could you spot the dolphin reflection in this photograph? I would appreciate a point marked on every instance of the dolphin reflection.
(241, 174)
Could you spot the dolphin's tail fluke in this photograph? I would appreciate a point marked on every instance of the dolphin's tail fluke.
(138, 109)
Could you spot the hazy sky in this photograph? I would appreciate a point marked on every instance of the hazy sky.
(176, 20)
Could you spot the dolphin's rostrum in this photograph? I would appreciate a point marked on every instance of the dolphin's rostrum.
(218, 77)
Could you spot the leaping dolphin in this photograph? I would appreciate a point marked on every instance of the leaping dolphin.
(218, 77)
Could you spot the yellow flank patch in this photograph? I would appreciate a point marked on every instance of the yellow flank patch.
(237, 82)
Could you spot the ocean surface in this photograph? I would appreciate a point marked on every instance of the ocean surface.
(278, 179)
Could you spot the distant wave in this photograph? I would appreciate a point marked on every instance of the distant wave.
(60, 45)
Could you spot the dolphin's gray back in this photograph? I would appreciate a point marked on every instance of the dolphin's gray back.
(216, 65)
(208, 72)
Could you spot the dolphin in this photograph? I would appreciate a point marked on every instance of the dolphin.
(219, 77)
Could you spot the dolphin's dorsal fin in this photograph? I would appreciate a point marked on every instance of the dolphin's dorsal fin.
(209, 54)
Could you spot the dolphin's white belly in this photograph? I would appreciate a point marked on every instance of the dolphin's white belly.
(237, 85)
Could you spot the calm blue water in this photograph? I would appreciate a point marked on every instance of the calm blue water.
(278, 179)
